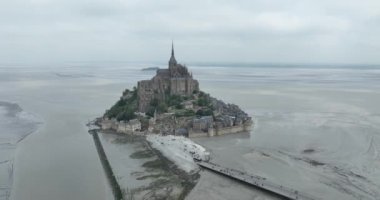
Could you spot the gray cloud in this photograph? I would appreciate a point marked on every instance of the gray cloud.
(325, 31)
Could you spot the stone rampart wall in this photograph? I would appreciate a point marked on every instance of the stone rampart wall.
(220, 131)
(228, 130)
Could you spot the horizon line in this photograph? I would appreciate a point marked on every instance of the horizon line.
(201, 63)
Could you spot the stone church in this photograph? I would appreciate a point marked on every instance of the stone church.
(176, 80)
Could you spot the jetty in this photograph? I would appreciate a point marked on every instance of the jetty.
(116, 190)
(256, 181)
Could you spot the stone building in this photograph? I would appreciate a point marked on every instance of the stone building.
(108, 123)
(128, 126)
(203, 123)
(176, 80)
(122, 126)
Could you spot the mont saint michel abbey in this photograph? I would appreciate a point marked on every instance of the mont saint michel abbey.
(176, 80)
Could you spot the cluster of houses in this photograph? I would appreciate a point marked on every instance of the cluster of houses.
(168, 124)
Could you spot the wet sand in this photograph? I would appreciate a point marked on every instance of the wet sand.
(143, 172)
(15, 125)
(322, 140)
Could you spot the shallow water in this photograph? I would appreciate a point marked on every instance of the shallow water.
(59, 161)
(337, 120)
(333, 111)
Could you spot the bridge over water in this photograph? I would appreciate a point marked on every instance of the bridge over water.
(257, 181)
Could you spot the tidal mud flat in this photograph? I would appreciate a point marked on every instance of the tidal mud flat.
(15, 125)
(115, 187)
(142, 172)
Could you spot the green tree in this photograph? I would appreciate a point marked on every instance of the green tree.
(162, 107)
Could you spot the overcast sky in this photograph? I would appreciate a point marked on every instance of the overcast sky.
(272, 31)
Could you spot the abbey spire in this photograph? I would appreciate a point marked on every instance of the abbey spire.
(172, 49)
(172, 61)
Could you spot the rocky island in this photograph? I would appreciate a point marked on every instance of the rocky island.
(171, 103)
(157, 118)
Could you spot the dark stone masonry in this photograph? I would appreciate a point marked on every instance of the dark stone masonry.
(176, 80)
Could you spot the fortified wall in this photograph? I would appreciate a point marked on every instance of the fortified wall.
(216, 129)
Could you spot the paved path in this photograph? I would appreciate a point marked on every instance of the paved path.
(257, 181)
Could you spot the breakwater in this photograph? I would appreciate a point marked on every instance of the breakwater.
(257, 181)
(116, 190)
